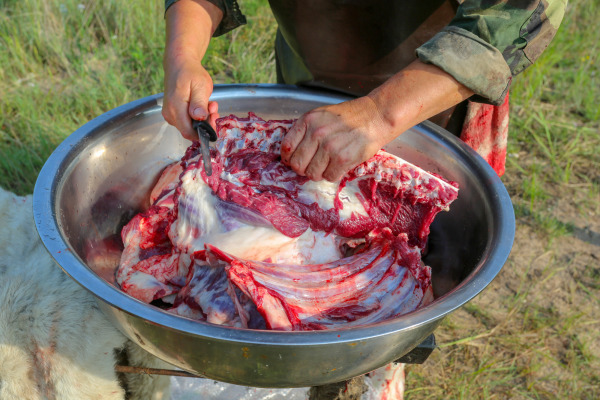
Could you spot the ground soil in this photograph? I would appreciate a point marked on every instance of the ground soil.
(538, 322)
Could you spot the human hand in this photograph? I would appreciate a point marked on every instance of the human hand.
(188, 87)
(328, 141)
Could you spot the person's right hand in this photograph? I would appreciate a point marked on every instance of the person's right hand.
(188, 87)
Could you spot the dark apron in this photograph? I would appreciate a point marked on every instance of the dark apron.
(353, 46)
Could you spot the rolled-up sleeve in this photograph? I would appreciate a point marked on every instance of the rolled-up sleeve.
(232, 15)
(489, 42)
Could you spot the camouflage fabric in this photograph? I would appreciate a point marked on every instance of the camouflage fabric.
(483, 45)
(486, 32)
(232, 16)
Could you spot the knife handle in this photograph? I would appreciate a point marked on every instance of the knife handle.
(205, 127)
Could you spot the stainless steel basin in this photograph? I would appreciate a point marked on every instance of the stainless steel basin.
(100, 176)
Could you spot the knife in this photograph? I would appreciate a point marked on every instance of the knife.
(206, 134)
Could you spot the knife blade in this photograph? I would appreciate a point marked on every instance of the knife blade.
(206, 134)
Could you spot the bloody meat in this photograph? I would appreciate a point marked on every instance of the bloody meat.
(255, 245)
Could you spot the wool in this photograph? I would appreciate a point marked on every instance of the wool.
(55, 343)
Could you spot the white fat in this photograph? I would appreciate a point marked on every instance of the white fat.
(323, 193)
(318, 247)
(142, 280)
(169, 299)
(235, 179)
(249, 242)
(198, 224)
(268, 244)
(197, 214)
(350, 203)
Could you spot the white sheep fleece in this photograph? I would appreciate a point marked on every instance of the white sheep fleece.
(54, 341)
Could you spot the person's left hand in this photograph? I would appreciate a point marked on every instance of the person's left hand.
(328, 141)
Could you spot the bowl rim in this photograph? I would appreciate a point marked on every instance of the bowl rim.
(45, 216)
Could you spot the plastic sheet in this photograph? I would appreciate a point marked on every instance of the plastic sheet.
(384, 383)
(206, 389)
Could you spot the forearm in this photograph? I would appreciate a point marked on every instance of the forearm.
(188, 86)
(189, 28)
(413, 95)
(326, 142)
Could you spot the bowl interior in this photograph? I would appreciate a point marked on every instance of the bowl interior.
(100, 177)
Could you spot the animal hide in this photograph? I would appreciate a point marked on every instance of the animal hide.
(54, 341)
(56, 344)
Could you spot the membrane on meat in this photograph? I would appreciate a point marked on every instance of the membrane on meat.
(256, 245)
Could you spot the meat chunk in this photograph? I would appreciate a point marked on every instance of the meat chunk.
(385, 191)
(257, 245)
(385, 279)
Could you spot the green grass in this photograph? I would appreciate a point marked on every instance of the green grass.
(555, 126)
(64, 64)
(523, 349)
(531, 335)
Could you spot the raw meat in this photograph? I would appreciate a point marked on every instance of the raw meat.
(255, 245)
(385, 279)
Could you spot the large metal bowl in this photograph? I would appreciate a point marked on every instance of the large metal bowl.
(100, 176)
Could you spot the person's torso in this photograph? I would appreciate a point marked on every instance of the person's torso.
(353, 45)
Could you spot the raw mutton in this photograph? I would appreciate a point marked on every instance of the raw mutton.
(255, 245)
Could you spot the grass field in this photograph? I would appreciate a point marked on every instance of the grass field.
(533, 334)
